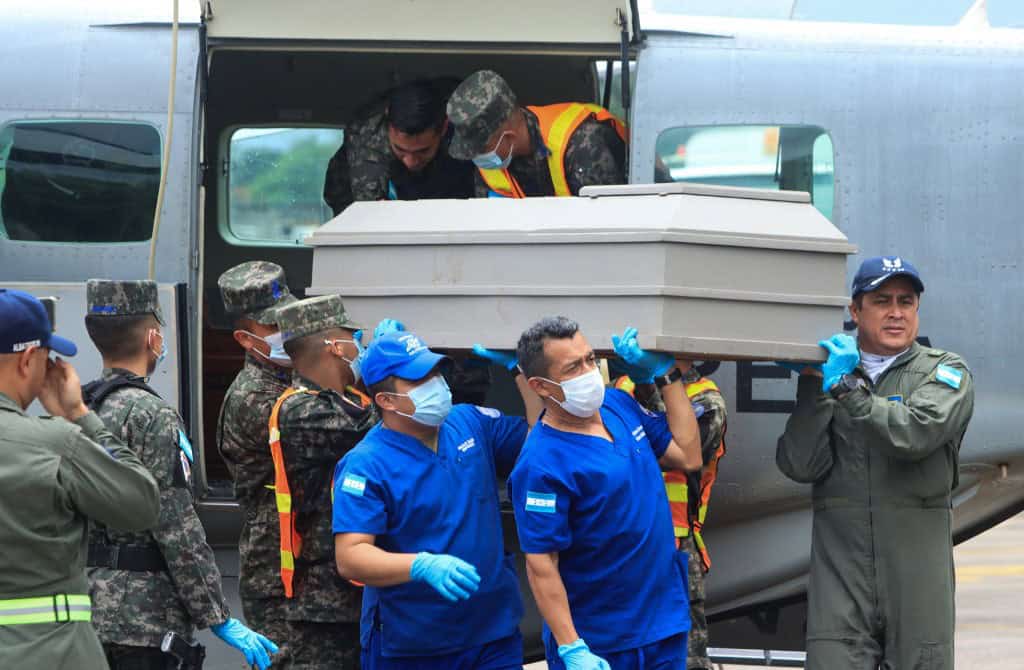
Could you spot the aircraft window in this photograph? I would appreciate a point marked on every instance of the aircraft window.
(792, 158)
(276, 181)
(78, 181)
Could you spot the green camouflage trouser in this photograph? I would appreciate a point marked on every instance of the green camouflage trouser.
(304, 645)
(697, 642)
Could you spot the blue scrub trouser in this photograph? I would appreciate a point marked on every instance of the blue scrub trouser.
(667, 654)
(503, 654)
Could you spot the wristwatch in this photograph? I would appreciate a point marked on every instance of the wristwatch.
(665, 380)
(845, 384)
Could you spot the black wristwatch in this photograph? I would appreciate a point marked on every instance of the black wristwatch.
(664, 380)
(845, 384)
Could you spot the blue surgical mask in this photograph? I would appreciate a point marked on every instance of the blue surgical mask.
(277, 353)
(491, 160)
(433, 402)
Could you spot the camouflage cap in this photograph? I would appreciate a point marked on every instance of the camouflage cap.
(115, 297)
(313, 315)
(255, 290)
(477, 108)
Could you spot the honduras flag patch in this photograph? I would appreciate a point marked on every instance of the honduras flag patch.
(354, 484)
(949, 376)
(544, 503)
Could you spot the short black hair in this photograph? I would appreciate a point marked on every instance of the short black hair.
(530, 349)
(302, 348)
(416, 107)
(119, 337)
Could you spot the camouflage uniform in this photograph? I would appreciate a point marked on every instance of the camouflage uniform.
(317, 429)
(358, 171)
(364, 168)
(595, 154)
(254, 290)
(136, 609)
(712, 431)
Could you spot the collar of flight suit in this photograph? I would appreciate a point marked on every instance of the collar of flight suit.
(901, 360)
(8, 404)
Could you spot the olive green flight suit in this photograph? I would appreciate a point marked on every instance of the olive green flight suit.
(54, 477)
(883, 460)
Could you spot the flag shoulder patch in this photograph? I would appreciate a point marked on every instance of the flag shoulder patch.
(949, 376)
(354, 484)
(545, 503)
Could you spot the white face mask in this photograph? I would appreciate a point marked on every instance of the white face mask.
(277, 356)
(584, 395)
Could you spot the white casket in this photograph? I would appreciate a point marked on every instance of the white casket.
(710, 272)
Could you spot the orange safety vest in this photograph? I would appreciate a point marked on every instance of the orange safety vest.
(291, 541)
(557, 124)
(677, 486)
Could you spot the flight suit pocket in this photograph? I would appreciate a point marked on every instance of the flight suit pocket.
(927, 478)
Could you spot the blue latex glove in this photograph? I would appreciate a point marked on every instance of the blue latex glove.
(255, 647)
(505, 358)
(357, 337)
(843, 357)
(798, 367)
(643, 366)
(452, 577)
(388, 326)
(577, 656)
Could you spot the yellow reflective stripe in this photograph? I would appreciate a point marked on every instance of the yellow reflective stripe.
(275, 434)
(287, 560)
(700, 387)
(681, 531)
(677, 492)
(497, 180)
(557, 140)
(270, 486)
(46, 609)
(284, 503)
(698, 540)
(702, 512)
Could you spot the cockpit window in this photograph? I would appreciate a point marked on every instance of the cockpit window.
(276, 183)
(78, 181)
(791, 158)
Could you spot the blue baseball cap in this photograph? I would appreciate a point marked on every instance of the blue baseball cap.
(24, 324)
(874, 272)
(398, 354)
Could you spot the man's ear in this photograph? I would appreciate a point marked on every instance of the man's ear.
(25, 362)
(537, 385)
(854, 313)
(243, 339)
(384, 400)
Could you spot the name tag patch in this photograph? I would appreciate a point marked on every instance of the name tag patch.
(949, 376)
(354, 484)
(541, 502)
(895, 398)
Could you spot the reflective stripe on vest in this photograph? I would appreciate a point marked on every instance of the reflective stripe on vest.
(291, 541)
(678, 490)
(58, 608)
(557, 124)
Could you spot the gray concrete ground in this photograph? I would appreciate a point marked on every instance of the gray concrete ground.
(990, 590)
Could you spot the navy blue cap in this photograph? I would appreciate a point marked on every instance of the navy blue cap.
(398, 354)
(874, 272)
(24, 324)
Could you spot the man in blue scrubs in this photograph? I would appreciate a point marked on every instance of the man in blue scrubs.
(417, 519)
(590, 505)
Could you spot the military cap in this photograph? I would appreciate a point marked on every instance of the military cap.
(313, 315)
(477, 108)
(255, 290)
(120, 297)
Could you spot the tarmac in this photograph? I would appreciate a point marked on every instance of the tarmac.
(989, 597)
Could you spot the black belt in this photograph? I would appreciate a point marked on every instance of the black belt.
(134, 558)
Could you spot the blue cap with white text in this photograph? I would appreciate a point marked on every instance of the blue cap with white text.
(24, 324)
(398, 354)
(874, 272)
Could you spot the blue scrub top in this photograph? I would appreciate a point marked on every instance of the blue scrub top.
(602, 507)
(394, 487)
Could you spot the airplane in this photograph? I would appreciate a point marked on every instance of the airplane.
(908, 139)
